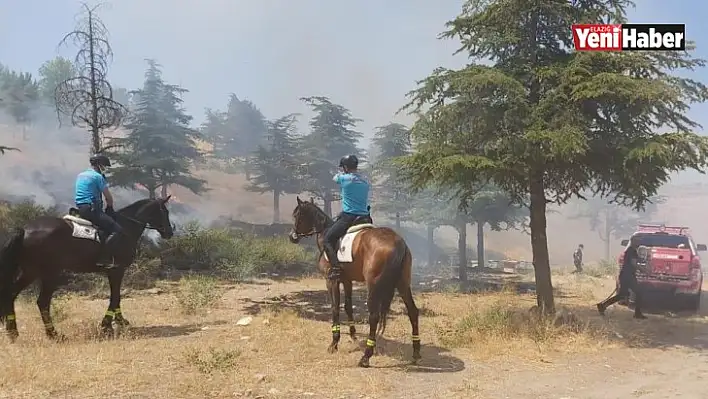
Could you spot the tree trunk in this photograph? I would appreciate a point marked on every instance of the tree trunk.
(539, 245)
(398, 221)
(462, 249)
(431, 245)
(480, 244)
(151, 191)
(276, 206)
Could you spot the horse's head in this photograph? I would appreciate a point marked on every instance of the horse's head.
(155, 214)
(305, 220)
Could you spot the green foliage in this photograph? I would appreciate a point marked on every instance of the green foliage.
(274, 164)
(391, 141)
(198, 292)
(51, 74)
(238, 131)
(160, 146)
(17, 215)
(545, 123)
(19, 93)
(331, 137)
(238, 254)
(213, 359)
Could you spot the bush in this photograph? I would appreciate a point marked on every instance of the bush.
(17, 215)
(197, 292)
(236, 253)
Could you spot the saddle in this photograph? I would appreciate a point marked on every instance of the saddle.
(83, 228)
(344, 244)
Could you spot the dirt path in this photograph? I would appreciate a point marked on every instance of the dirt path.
(671, 364)
(282, 352)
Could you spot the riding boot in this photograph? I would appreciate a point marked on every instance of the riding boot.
(335, 270)
(109, 248)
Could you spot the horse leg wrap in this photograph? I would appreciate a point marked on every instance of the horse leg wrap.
(11, 323)
(110, 314)
(370, 343)
(336, 332)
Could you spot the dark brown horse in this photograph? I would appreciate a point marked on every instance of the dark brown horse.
(380, 258)
(46, 246)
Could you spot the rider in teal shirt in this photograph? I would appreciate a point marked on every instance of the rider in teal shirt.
(355, 206)
(91, 186)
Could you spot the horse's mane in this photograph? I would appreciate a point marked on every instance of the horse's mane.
(135, 206)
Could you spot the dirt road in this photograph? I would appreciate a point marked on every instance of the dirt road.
(281, 353)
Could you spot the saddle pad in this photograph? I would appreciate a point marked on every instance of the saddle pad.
(344, 254)
(85, 232)
(78, 220)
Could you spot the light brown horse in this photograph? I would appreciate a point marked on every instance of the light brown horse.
(381, 259)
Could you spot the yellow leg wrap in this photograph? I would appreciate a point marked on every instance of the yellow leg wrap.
(110, 313)
(11, 317)
(370, 343)
(415, 337)
(117, 311)
(336, 328)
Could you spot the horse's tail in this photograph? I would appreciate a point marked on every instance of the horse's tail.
(10, 265)
(385, 287)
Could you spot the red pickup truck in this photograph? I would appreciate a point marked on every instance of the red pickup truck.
(673, 267)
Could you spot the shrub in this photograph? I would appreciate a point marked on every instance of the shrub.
(17, 215)
(236, 253)
(197, 292)
(213, 359)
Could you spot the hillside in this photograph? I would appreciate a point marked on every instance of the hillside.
(49, 160)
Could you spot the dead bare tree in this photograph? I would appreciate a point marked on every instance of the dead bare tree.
(87, 99)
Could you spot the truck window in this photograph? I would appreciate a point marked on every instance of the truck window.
(662, 240)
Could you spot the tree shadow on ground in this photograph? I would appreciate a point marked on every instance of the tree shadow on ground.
(167, 331)
(315, 305)
(661, 330)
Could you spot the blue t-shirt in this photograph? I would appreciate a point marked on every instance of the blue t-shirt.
(89, 188)
(355, 193)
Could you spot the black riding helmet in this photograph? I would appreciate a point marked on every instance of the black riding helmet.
(349, 162)
(100, 160)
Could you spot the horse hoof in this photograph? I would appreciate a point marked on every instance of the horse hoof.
(12, 336)
(364, 362)
(332, 348)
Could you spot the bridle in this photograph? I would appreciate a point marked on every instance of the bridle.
(320, 219)
(144, 225)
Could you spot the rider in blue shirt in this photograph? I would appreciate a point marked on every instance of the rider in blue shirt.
(91, 186)
(355, 206)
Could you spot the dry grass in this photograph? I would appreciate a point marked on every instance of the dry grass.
(186, 344)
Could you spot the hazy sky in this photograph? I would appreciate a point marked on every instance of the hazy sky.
(364, 54)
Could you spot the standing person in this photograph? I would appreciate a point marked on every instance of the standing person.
(578, 259)
(91, 186)
(627, 282)
(355, 205)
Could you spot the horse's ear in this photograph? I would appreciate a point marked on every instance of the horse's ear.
(299, 201)
(164, 200)
(312, 199)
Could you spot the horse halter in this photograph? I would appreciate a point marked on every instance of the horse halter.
(147, 225)
(313, 231)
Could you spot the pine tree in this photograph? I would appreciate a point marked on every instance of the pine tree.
(544, 123)
(160, 146)
(274, 163)
(331, 137)
(392, 194)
